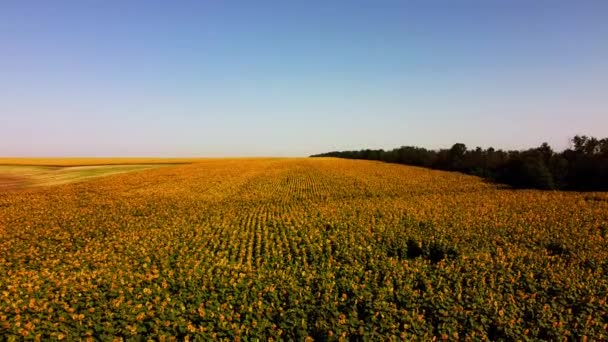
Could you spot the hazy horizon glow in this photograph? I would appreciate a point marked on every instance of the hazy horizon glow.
(272, 78)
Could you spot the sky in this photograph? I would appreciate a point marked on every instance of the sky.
(286, 78)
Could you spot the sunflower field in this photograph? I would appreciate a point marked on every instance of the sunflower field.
(301, 249)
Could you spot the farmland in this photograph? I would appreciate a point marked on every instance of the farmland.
(317, 249)
(21, 176)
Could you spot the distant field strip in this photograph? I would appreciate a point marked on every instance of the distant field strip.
(17, 176)
(94, 161)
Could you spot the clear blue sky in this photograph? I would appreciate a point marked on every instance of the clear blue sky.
(242, 78)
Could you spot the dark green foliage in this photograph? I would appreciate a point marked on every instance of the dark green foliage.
(527, 173)
(410, 248)
(413, 249)
(438, 251)
(557, 248)
(583, 167)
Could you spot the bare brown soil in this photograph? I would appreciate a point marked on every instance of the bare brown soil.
(11, 182)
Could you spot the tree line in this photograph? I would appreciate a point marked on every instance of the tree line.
(582, 167)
